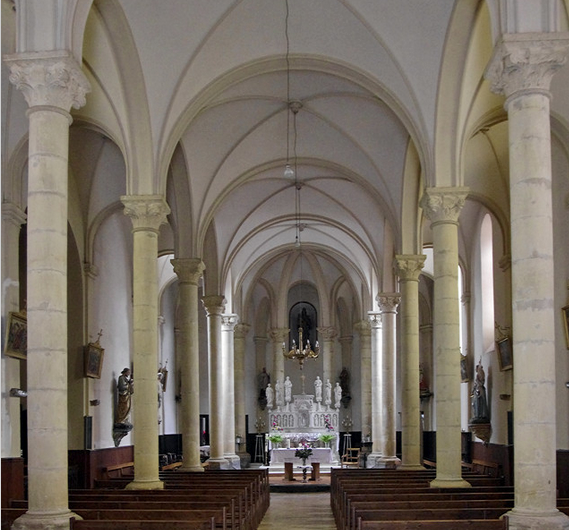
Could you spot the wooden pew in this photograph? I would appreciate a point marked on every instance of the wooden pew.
(120, 468)
(482, 524)
(121, 524)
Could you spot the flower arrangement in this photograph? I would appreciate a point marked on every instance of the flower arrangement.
(275, 426)
(327, 423)
(303, 452)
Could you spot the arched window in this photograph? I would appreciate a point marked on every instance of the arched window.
(487, 283)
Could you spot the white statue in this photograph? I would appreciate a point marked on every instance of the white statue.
(328, 393)
(318, 389)
(269, 394)
(337, 395)
(279, 393)
(288, 389)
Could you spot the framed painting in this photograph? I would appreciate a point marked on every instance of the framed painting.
(93, 360)
(16, 343)
(504, 347)
(565, 311)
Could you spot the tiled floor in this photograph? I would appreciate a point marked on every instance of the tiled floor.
(299, 511)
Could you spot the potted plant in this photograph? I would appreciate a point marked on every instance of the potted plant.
(275, 438)
(326, 438)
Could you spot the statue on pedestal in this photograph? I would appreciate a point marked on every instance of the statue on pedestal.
(337, 395)
(279, 393)
(480, 413)
(288, 389)
(318, 389)
(269, 394)
(328, 393)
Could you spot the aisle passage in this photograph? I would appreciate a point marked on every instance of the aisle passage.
(296, 511)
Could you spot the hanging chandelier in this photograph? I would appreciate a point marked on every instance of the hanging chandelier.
(302, 352)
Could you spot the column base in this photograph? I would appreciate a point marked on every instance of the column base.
(218, 463)
(450, 483)
(412, 467)
(372, 460)
(145, 485)
(389, 462)
(245, 459)
(519, 519)
(194, 468)
(31, 521)
(234, 461)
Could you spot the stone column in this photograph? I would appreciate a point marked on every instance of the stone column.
(376, 382)
(522, 68)
(442, 206)
(12, 220)
(189, 271)
(147, 213)
(52, 83)
(408, 268)
(241, 331)
(228, 323)
(278, 336)
(388, 303)
(327, 336)
(363, 327)
(214, 306)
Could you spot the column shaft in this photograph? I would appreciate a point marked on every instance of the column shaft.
(442, 206)
(376, 382)
(278, 336)
(147, 213)
(388, 303)
(189, 272)
(364, 329)
(521, 69)
(51, 83)
(214, 306)
(228, 323)
(408, 268)
(327, 337)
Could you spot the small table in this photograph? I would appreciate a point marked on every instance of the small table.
(314, 467)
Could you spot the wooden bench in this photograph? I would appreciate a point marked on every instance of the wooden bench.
(482, 524)
(120, 468)
(170, 467)
(484, 467)
(122, 524)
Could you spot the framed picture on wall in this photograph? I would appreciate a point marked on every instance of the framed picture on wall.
(93, 360)
(16, 343)
(565, 311)
(504, 348)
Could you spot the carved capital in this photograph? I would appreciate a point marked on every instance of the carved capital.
(443, 205)
(51, 79)
(388, 302)
(229, 321)
(278, 334)
(241, 330)
(374, 320)
(214, 304)
(189, 270)
(147, 212)
(408, 266)
(327, 333)
(526, 62)
(363, 327)
(13, 214)
(91, 270)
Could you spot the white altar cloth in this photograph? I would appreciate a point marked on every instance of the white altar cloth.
(319, 454)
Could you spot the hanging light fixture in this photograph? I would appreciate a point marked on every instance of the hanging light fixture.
(303, 351)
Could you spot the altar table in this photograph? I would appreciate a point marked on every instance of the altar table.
(323, 455)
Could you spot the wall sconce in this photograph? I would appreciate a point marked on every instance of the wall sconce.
(18, 392)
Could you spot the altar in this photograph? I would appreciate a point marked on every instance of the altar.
(323, 455)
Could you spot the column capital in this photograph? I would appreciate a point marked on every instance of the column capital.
(327, 332)
(189, 270)
(147, 212)
(408, 266)
(257, 339)
(49, 79)
(13, 214)
(229, 321)
(363, 327)
(388, 302)
(214, 304)
(278, 334)
(346, 339)
(526, 62)
(374, 320)
(443, 204)
(241, 330)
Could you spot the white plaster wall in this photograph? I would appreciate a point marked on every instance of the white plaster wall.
(110, 309)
